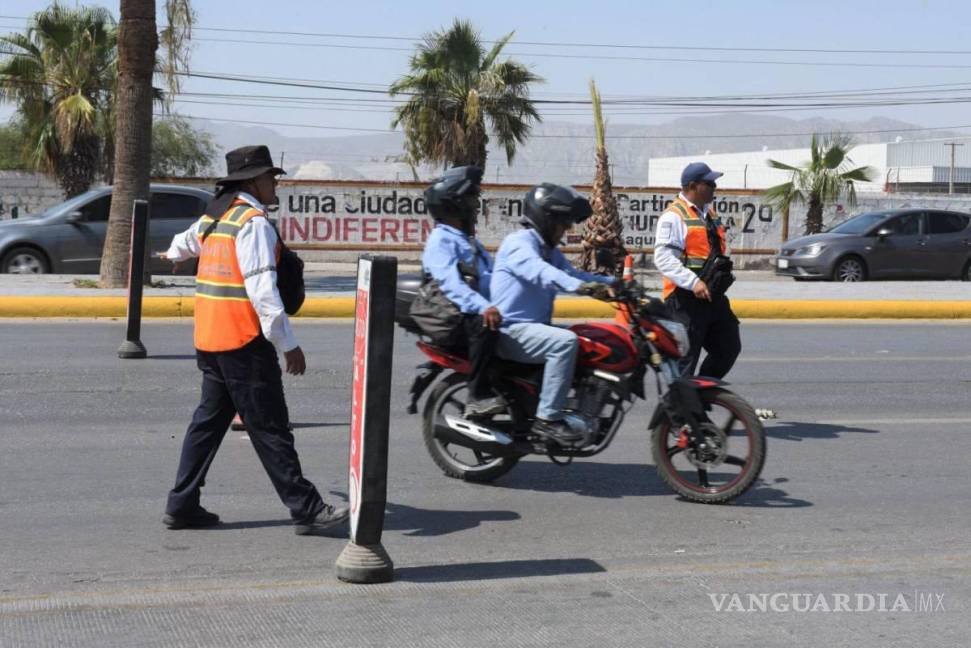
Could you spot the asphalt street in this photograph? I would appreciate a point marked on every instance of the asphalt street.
(865, 492)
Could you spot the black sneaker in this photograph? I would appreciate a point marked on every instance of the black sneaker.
(331, 516)
(484, 407)
(557, 431)
(197, 519)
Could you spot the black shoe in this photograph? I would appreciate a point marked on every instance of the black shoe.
(331, 516)
(557, 431)
(197, 519)
(484, 407)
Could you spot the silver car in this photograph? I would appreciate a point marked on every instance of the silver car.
(893, 244)
(69, 238)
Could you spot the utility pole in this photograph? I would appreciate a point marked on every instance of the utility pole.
(950, 177)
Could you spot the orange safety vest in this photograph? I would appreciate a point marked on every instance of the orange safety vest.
(224, 315)
(696, 245)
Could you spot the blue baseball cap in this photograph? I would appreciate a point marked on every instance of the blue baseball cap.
(698, 172)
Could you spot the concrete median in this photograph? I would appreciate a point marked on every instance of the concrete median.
(56, 306)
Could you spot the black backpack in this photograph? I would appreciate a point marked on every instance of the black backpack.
(289, 272)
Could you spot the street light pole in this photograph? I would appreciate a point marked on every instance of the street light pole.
(950, 177)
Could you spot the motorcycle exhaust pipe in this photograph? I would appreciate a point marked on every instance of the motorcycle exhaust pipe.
(468, 434)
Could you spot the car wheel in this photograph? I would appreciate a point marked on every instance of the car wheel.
(24, 260)
(849, 269)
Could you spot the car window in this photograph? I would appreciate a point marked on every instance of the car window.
(946, 222)
(906, 225)
(97, 210)
(859, 224)
(175, 205)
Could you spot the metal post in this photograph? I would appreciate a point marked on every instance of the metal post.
(364, 559)
(950, 177)
(132, 347)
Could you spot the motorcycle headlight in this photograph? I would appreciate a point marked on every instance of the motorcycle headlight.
(680, 334)
(811, 250)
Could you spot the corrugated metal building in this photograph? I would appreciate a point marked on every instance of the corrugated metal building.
(923, 165)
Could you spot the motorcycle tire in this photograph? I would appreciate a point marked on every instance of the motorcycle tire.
(485, 469)
(753, 462)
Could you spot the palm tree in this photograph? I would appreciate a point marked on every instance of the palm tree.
(455, 86)
(827, 177)
(604, 230)
(60, 73)
(138, 41)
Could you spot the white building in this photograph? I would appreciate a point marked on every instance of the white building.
(923, 165)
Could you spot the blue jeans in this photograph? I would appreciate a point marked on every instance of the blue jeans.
(535, 343)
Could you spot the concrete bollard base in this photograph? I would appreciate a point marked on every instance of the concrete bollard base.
(364, 564)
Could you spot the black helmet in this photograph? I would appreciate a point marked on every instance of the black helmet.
(547, 205)
(455, 194)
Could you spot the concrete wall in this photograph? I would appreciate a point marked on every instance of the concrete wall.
(23, 193)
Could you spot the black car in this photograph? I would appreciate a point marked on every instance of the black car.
(892, 244)
(69, 238)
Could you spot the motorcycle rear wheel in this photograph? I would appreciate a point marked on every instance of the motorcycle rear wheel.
(456, 461)
(736, 472)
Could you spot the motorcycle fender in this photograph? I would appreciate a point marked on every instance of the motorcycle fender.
(702, 382)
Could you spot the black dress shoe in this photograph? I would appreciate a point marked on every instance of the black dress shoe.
(557, 431)
(196, 519)
(331, 516)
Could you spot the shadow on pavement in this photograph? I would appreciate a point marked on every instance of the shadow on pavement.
(795, 431)
(172, 356)
(590, 479)
(496, 570)
(430, 522)
(250, 524)
(761, 495)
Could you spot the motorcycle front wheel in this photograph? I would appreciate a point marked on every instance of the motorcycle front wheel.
(449, 397)
(730, 463)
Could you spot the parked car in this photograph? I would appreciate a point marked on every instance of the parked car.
(69, 238)
(893, 244)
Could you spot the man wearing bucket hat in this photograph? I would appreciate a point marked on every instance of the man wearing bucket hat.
(690, 252)
(239, 319)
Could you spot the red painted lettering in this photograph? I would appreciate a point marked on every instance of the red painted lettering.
(369, 230)
(322, 228)
(389, 229)
(411, 231)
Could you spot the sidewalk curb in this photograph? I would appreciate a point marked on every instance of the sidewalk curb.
(567, 308)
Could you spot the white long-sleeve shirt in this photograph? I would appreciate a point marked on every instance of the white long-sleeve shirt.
(256, 255)
(669, 242)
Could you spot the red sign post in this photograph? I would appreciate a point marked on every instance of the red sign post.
(364, 559)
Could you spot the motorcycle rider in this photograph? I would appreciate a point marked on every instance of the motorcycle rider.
(529, 271)
(453, 201)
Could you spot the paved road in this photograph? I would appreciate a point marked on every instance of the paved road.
(865, 492)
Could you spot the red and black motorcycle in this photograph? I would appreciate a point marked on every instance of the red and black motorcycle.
(707, 442)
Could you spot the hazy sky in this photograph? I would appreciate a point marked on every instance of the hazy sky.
(820, 24)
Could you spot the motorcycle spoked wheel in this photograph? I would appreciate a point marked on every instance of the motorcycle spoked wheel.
(449, 397)
(739, 440)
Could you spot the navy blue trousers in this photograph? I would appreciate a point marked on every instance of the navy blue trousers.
(248, 381)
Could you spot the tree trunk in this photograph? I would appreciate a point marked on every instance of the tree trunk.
(814, 217)
(137, 42)
(604, 229)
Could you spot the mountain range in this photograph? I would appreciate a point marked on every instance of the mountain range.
(560, 151)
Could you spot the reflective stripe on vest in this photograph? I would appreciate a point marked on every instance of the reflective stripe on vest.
(224, 316)
(696, 245)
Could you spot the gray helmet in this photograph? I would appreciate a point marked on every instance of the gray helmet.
(547, 205)
(455, 194)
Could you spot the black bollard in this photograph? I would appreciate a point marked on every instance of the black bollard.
(364, 559)
(132, 347)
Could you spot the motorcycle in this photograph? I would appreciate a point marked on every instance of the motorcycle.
(707, 443)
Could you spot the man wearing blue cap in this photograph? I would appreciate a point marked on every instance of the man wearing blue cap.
(690, 251)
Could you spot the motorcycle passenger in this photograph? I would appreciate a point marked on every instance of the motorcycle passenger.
(453, 201)
(529, 271)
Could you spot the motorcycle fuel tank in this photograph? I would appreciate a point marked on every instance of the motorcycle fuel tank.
(606, 346)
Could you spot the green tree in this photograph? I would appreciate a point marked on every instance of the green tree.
(12, 144)
(603, 230)
(178, 149)
(454, 87)
(138, 41)
(60, 75)
(826, 178)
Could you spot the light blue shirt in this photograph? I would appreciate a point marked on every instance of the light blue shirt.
(445, 248)
(527, 276)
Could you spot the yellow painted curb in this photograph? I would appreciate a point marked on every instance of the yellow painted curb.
(566, 308)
